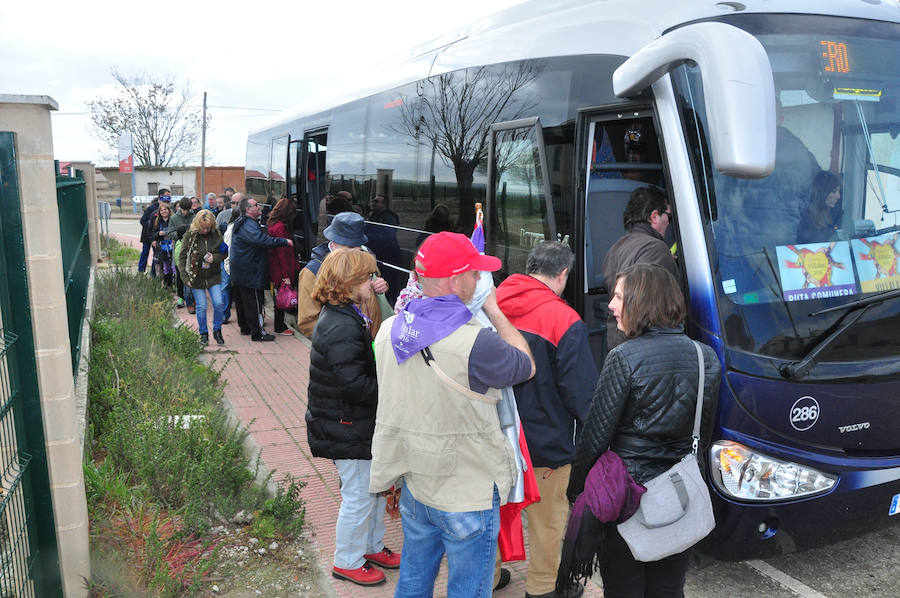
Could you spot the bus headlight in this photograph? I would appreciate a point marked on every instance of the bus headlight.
(745, 474)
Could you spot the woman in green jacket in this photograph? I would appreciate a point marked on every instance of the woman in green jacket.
(200, 263)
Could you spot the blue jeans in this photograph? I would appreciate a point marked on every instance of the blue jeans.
(360, 523)
(215, 292)
(469, 539)
(145, 253)
(226, 295)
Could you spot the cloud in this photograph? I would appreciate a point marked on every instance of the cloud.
(272, 54)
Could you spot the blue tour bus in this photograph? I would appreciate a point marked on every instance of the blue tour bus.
(751, 116)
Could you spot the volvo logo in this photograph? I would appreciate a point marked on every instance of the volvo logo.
(804, 414)
(854, 427)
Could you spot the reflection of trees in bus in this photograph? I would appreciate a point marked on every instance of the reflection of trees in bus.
(455, 112)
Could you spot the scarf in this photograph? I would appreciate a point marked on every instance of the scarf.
(194, 257)
(425, 321)
(610, 495)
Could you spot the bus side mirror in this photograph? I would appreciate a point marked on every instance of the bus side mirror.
(738, 89)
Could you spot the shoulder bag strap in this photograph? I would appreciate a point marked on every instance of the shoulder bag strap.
(699, 412)
(430, 362)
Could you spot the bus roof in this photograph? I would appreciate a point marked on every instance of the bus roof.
(541, 29)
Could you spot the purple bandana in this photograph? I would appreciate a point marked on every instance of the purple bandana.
(425, 321)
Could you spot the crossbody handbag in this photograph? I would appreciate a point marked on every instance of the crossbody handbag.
(676, 512)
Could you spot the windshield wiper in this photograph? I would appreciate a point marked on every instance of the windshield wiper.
(797, 369)
(883, 296)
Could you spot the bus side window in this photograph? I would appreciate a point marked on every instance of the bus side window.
(520, 218)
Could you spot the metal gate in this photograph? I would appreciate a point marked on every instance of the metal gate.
(76, 254)
(29, 564)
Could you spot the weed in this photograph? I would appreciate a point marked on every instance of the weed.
(109, 489)
(286, 507)
(118, 253)
(171, 458)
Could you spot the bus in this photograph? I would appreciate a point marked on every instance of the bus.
(551, 114)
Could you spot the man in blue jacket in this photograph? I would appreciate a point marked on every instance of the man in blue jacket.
(249, 258)
(552, 402)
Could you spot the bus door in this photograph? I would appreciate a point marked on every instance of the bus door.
(519, 207)
(305, 220)
(623, 154)
(312, 179)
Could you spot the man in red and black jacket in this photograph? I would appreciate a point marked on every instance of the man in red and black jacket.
(553, 401)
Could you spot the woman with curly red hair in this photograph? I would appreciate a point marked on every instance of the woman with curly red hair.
(340, 417)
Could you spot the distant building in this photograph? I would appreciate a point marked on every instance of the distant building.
(183, 180)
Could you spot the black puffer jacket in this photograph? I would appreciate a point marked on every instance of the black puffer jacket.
(343, 391)
(644, 405)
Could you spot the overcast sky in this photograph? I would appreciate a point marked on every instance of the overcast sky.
(269, 55)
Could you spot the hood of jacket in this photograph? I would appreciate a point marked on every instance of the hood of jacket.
(521, 294)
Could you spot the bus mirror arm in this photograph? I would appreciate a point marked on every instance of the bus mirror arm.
(738, 86)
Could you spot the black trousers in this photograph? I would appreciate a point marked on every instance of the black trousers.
(624, 577)
(280, 326)
(249, 303)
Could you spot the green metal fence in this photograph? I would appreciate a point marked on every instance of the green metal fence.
(76, 254)
(29, 564)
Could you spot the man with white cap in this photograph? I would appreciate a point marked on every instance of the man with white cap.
(437, 431)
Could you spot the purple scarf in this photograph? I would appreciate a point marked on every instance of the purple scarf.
(610, 495)
(426, 321)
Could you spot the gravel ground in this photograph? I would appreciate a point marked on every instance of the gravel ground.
(247, 568)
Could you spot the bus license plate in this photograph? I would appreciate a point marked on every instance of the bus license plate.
(895, 505)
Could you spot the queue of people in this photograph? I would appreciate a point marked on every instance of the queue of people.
(407, 404)
(202, 256)
(418, 410)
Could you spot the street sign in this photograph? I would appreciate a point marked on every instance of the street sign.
(126, 154)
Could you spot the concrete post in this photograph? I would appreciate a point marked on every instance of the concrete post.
(29, 118)
(90, 184)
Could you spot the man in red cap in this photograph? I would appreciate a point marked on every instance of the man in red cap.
(439, 378)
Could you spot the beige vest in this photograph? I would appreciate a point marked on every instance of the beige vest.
(447, 446)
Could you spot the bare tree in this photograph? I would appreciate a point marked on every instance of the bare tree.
(455, 111)
(164, 126)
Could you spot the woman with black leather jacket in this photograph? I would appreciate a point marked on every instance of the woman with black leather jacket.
(643, 409)
(342, 400)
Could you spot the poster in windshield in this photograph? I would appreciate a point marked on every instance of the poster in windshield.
(878, 262)
(816, 270)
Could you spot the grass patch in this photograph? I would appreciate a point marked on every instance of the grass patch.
(166, 462)
(118, 253)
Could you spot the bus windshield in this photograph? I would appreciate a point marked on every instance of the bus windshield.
(821, 230)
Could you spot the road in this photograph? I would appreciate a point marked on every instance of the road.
(863, 566)
(125, 226)
(859, 567)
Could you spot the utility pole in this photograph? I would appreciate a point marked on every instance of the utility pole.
(202, 191)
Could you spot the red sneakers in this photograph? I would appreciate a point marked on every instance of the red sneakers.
(385, 558)
(364, 576)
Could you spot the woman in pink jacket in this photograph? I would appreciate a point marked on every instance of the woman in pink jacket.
(283, 264)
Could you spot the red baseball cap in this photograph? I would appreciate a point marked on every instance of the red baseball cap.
(445, 254)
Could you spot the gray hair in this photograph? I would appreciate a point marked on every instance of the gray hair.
(243, 205)
(549, 258)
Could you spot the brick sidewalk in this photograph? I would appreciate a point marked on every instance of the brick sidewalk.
(266, 389)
